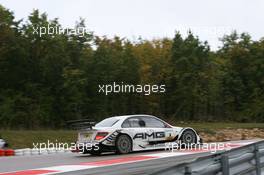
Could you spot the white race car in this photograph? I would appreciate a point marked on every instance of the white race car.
(124, 134)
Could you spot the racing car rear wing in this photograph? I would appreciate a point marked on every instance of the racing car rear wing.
(81, 124)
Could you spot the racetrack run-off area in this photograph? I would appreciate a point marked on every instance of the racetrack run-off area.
(68, 163)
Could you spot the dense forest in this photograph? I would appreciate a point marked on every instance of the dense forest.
(47, 80)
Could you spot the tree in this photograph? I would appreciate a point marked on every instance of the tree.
(189, 79)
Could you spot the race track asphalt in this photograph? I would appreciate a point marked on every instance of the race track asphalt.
(18, 163)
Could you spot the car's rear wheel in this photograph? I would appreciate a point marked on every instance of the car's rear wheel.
(123, 144)
(188, 138)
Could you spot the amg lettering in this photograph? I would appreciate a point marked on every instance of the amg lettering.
(154, 135)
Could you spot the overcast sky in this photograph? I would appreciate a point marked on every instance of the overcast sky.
(209, 19)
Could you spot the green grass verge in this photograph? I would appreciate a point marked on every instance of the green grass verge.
(222, 125)
(211, 128)
(26, 138)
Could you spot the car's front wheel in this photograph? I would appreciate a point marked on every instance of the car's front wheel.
(188, 138)
(123, 144)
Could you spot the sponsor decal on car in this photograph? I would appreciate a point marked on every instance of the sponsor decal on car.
(153, 135)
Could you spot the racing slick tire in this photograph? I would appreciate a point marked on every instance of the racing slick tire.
(188, 139)
(123, 144)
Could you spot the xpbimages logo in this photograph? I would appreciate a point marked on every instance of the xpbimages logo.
(129, 88)
(57, 30)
